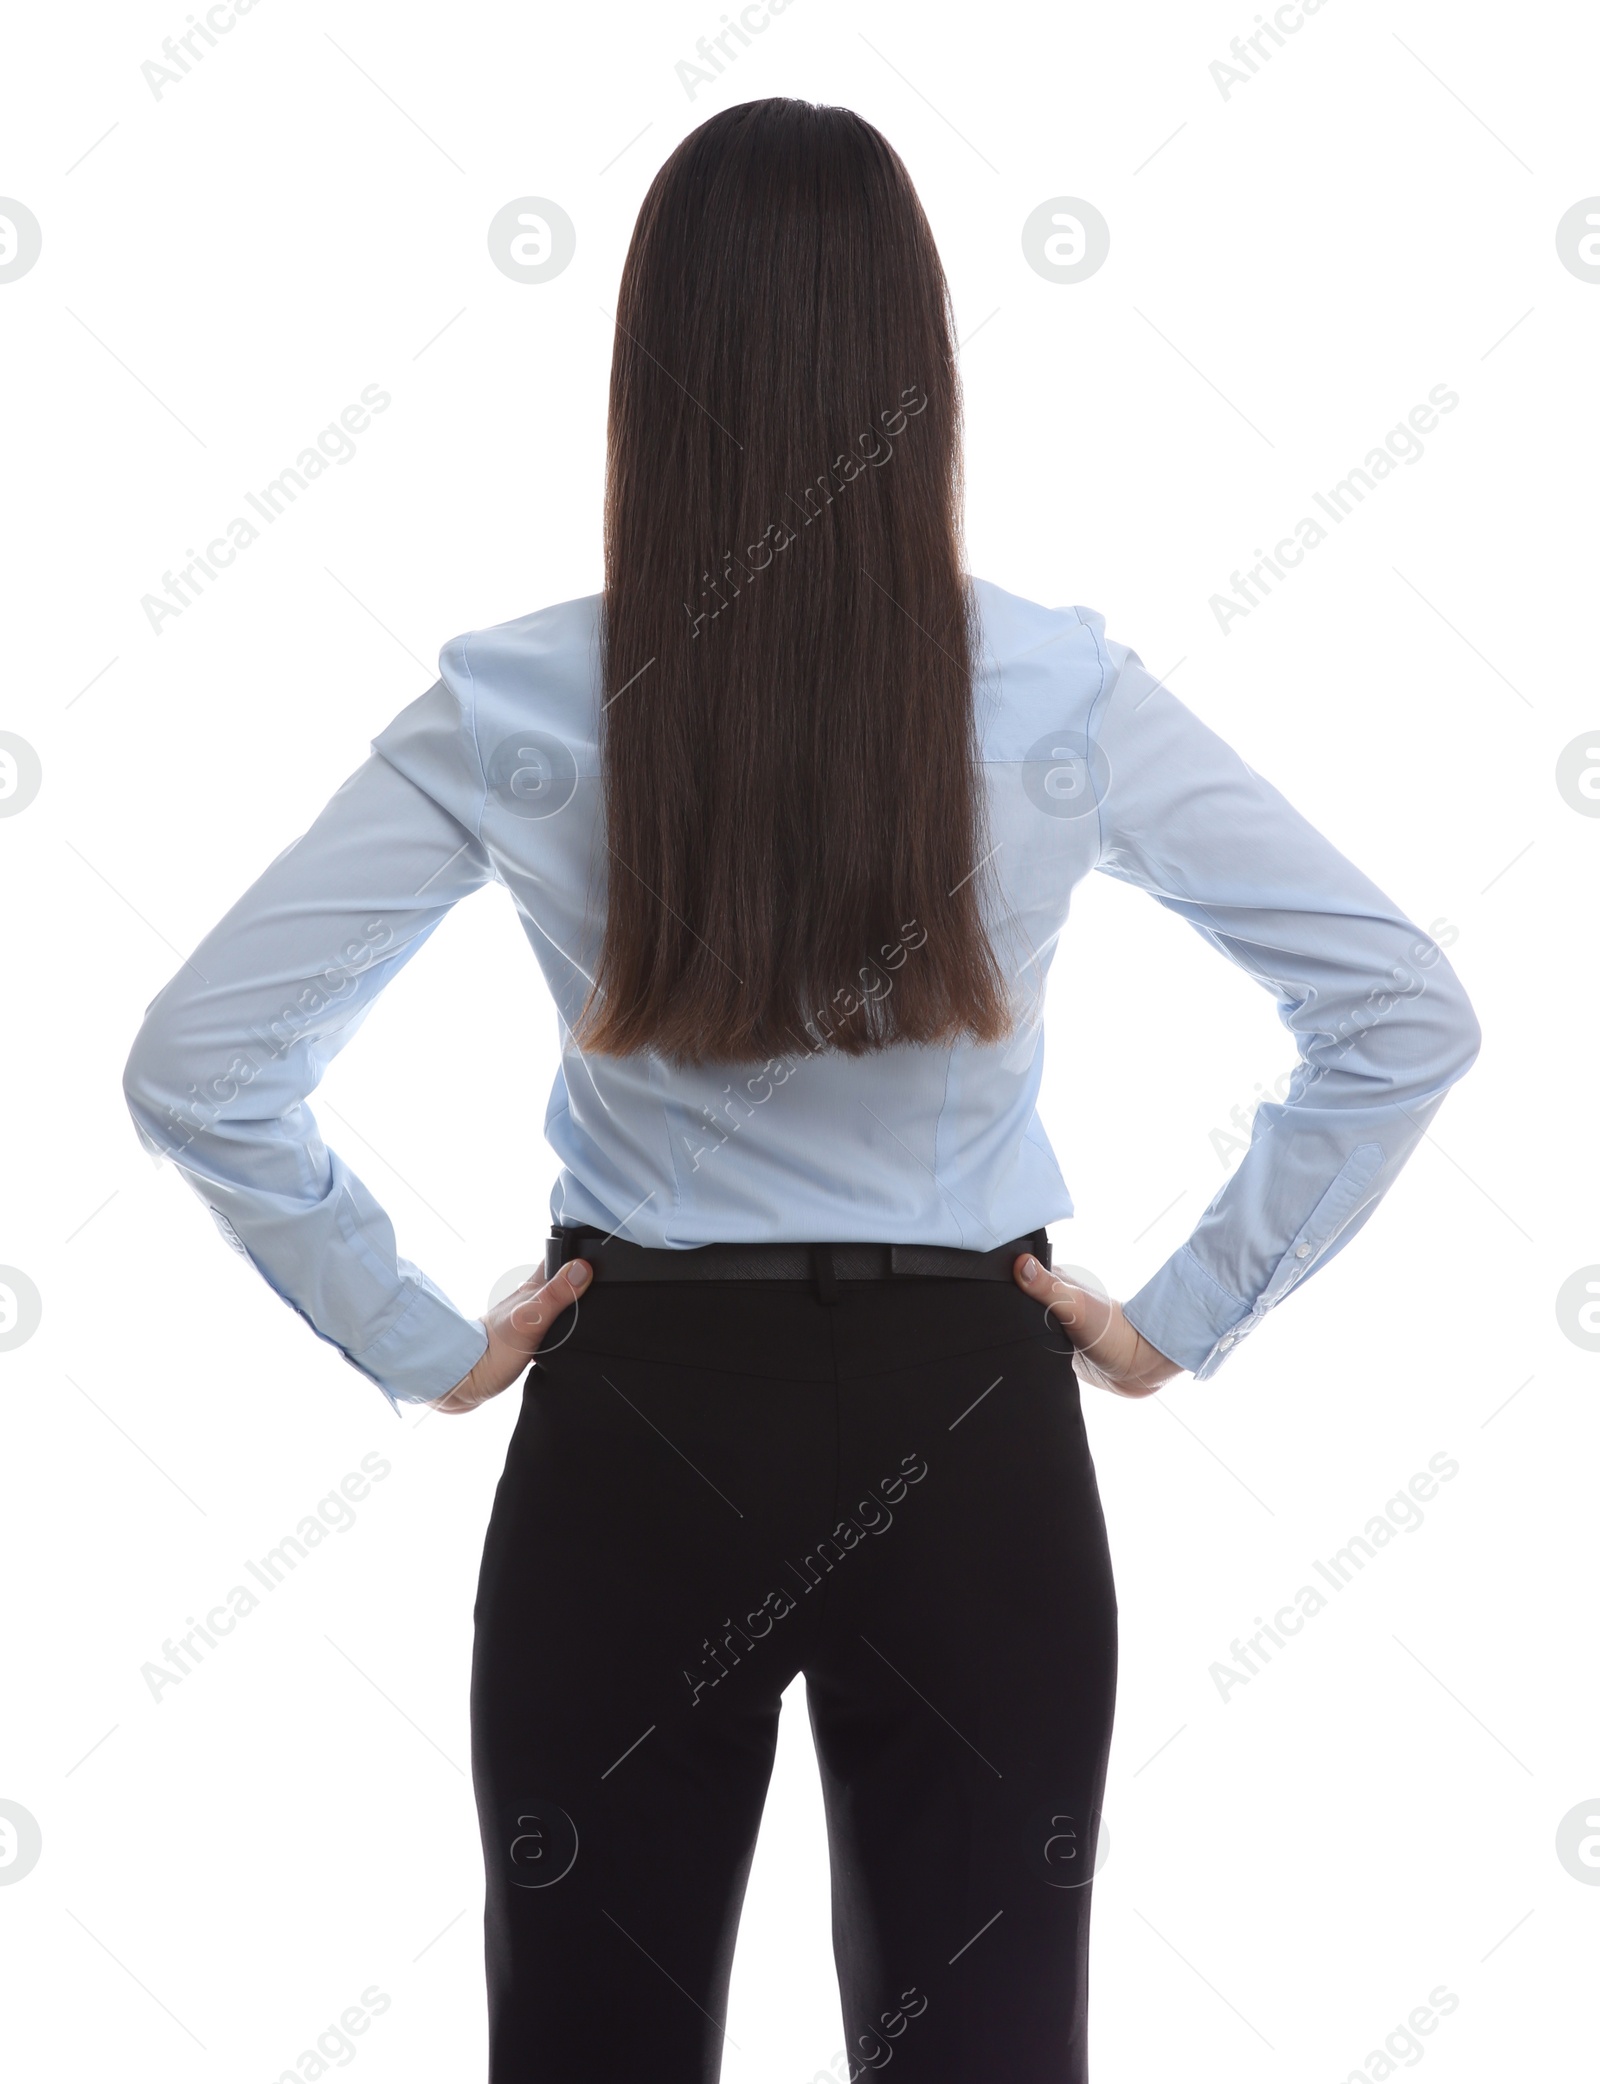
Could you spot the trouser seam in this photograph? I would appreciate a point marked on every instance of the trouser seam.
(838, 1463)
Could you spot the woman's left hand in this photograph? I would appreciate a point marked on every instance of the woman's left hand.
(1107, 1350)
(516, 1326)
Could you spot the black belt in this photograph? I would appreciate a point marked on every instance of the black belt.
(615, 1259)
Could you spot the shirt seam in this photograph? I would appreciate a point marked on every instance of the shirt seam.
(938, 1124)
(470, 718)
(838, 1463)
(665, 1102)
(1090, 724)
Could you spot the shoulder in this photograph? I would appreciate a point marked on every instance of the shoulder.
(539, 672)
(1041, 669)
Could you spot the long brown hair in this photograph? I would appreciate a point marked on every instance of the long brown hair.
(793, 812)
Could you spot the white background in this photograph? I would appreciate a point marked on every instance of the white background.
(1292, 267)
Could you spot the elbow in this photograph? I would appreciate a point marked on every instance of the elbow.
(185, 1075)
(152, 1085)
(1470, 1040)
(143, 1081)
(1438, 1038)
(1461, 1036)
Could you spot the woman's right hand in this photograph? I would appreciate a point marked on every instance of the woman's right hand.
(1107, 1351)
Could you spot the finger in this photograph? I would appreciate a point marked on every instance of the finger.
(465, 1396)
(1130, 1379)
(1081, 1313)
(529, 1319)
(1152, 1368)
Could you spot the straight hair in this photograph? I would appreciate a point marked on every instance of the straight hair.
(792, 798)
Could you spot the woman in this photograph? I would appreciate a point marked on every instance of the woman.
(792, 815)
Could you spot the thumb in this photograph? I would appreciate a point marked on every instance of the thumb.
(1081, 1312)
(531, 1309)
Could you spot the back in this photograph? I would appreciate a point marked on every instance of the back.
(493, 774)
(922, 1144)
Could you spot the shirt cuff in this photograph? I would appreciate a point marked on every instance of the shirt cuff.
(1194, 1320)
(425, 1352)
(1188, 1316)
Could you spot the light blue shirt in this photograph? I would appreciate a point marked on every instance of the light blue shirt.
(493, 775)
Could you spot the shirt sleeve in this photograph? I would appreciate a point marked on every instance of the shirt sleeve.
(219, 1072)
(1381, 1023)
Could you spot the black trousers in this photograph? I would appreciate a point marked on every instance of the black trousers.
(711, 1488)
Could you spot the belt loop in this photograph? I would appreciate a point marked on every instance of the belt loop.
(822, 1274)
(563, 1244)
